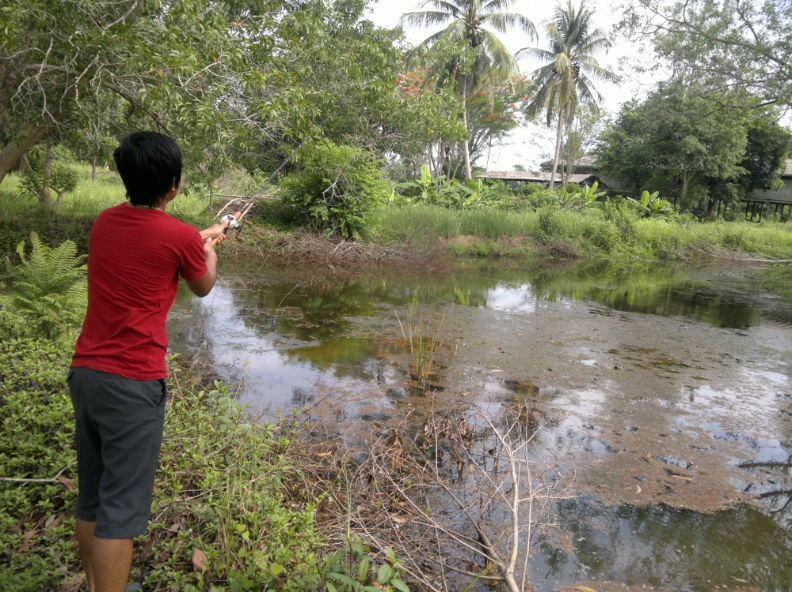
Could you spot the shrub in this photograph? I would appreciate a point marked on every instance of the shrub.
(549, 225)
(51, 169)
(337, 190)
(48, 287)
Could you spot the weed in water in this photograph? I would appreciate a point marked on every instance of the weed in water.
(423, 341)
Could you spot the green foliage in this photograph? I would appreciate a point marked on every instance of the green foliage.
(581, 197)
(690, 143)
(650, 205)
(36, 523)
(48, 287)
(615, 228)
(337, 190)
(224, 482)
(351, 569)
(50, 170)
(455, 194)
(768, 146)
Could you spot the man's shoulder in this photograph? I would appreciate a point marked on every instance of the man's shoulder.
(177, 228)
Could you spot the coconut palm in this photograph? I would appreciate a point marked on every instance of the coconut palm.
(469, 23)
(566, 80)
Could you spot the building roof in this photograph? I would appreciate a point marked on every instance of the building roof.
(787, 172)
(532, 177)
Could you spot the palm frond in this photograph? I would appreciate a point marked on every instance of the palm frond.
(425, 18)
(499, 56)
(454, 8)
(590, 66)
(534, 52)
(504, 21)
(491, 6)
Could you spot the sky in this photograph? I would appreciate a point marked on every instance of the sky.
(533, 144)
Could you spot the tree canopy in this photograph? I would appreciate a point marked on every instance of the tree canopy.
(686, 145)
(723, 44)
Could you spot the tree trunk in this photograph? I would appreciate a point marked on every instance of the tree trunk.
(557, 156)
(468, 169)
(45, 194)
(13, 151)
(93, 169)
(683, 193)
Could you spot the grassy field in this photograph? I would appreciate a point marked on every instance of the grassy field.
(587, 233)
(594, 232)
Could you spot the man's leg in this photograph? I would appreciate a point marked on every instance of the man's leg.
(85, 536)
(112, 559)
(125, 428)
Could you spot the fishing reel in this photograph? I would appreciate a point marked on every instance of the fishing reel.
(233, 223)
(235, 220)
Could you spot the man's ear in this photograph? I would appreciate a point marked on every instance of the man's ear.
(173, 192)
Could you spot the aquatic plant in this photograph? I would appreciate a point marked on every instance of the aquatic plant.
(423, 340)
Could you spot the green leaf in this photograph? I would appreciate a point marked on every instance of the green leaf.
(363, 569)
(399, 585)
(384, 574)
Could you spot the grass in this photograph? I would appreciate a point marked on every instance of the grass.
(484, 232)
(591, 232)
(423, 341)
(20, 213)
(225, 487)
(232, 509)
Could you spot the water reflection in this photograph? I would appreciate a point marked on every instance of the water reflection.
(672, 549)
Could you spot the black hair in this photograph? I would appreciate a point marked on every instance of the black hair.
(149, 164)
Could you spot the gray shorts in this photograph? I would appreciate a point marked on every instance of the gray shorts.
(119, 433)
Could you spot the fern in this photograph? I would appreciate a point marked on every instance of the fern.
(48, 286)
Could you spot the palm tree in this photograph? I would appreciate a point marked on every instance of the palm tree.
(566, 80)
(468, 24)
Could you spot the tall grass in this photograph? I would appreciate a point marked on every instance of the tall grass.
(591, 232)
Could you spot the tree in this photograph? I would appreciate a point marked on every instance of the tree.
(676, 142)
(723, 44)
(482, 55)
(580, 140)
(566, 80)
(768, 145)
(298, 97)
(174, 66)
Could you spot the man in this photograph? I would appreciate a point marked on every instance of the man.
(136, 254)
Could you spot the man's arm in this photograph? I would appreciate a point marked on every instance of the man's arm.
(212, 236)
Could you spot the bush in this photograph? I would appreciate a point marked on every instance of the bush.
(51, 169)
(337, 190)
(36, 523)
(48, 287)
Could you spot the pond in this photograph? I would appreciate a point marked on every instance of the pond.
(664, 395)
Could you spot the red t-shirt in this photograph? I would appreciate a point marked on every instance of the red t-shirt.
(135, 257)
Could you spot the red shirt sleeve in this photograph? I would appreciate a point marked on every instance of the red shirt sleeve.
(192, 258)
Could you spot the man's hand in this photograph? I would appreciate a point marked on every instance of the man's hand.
(215, 231)
(210, 242)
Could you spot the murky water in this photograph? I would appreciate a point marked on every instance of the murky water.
(667, 393)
